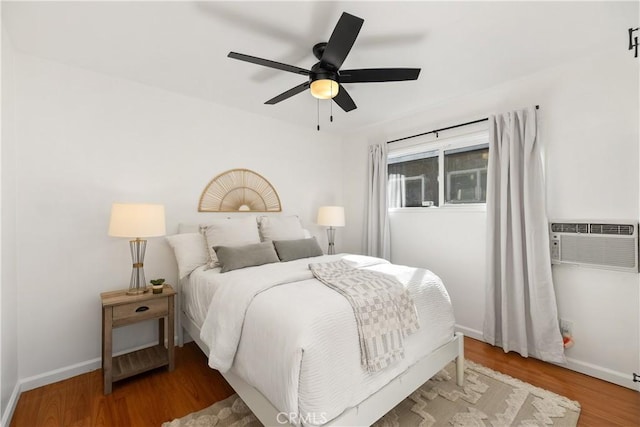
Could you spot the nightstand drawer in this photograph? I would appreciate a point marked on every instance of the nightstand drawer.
(140, 310)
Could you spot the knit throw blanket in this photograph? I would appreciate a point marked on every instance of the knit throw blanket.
(385, 313)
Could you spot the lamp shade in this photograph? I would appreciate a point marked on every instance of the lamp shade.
(136, 220)
(331, 216)
(324, 89)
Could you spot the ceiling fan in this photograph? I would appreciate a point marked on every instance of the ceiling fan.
(325, 77)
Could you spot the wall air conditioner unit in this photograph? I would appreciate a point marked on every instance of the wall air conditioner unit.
(611, 245)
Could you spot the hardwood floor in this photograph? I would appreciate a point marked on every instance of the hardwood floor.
(145, 400)
(158, 396)
(603, 403)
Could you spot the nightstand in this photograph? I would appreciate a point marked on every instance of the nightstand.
(120, 309)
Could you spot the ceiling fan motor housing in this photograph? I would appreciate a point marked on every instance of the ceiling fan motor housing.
(320, 72)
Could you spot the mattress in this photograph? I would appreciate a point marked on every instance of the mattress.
(299, 344)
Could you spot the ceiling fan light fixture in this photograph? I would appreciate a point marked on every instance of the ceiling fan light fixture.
(325, 76)
(324, 88)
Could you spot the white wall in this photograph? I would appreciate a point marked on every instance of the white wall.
(8, 277)
(589, 127)
(86, 140)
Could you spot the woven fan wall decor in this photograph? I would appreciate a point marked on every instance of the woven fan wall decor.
(239, 190)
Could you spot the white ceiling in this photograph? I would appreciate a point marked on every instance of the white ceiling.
(462, 47)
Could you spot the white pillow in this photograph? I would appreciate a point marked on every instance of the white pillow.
(280, 228)
(229, 232)
(190, 250)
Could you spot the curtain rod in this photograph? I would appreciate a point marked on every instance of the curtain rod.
(443, 129)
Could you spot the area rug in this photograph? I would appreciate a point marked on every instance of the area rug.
(488, 398)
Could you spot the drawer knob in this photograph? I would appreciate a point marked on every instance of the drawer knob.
(141, 309)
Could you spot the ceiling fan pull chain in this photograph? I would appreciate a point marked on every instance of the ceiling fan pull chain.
(331, 102)
(318, 112)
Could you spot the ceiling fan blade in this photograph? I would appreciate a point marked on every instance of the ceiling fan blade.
(288, 94)
(379, 75)
(342, 39)
(268, 63)
(344, 100)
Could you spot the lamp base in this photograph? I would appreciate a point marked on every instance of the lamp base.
(138, 284)
(331, 237)
(138, 291)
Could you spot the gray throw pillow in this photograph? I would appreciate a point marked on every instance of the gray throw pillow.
(235, 257)
(288, 250)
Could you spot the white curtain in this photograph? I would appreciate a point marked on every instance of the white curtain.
(521, 312)
(377, 240)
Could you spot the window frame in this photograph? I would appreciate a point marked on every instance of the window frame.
(431, 143)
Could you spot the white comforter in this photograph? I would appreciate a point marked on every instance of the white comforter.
(295, 340)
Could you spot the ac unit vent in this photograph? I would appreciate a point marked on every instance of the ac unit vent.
(619, 229)
(612, 245)
(569, 227)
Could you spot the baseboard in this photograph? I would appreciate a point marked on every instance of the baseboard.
(11, 406)
(468, 332)
(56, 375)
(586, 368)
(60, 374)
(606, 374)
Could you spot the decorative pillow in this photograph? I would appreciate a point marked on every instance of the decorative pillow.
(229, 232)
(235, 257)
(280, 228)
(288, 250)
(190, 250)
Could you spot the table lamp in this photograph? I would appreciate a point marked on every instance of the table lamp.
(136, 220)
(331, 216)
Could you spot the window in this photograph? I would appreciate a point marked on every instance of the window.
(443, 172)
(413, 180)
(466, 174)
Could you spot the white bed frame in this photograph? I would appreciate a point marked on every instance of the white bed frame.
(369, 410)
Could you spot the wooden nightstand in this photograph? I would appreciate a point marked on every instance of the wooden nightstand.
(120, 309)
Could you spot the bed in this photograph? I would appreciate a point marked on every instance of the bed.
(288, 344)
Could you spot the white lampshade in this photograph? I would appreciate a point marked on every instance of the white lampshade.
(136, 220)
(331, 216)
